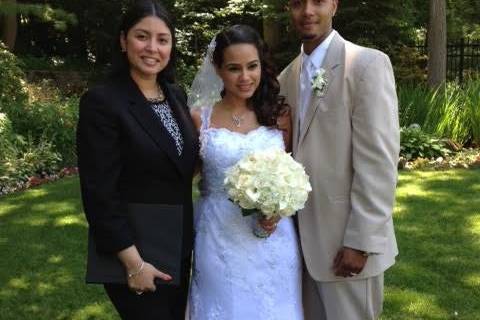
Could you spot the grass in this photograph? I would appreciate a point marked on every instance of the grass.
(437, 275)
(42, 257)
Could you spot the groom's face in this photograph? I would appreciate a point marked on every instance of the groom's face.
(313, 18)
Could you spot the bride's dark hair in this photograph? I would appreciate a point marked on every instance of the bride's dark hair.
(266, 102)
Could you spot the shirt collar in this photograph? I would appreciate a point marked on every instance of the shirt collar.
(318, 55)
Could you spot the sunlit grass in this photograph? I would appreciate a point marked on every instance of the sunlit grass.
(42, 257)
(437, 274)
(436, 223)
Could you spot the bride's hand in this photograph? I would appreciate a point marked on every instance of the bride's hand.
(269, 225)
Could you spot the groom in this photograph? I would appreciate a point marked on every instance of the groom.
(346, 134)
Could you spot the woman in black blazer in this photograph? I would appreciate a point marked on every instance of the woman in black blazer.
(137, 148)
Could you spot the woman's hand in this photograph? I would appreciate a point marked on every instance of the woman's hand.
(269, 225)
(143, 280)
(141, 274)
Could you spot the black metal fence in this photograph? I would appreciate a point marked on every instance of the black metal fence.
(463, 58)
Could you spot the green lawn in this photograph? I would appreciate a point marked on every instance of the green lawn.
(437, 276)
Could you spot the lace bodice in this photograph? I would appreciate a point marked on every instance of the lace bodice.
(222, 148)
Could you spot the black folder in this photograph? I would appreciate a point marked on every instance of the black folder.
(158, 230)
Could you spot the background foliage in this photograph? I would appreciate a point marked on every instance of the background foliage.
(89, 28)
(452, 113)
(70, 43)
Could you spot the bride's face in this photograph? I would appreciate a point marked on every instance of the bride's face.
(241, 70)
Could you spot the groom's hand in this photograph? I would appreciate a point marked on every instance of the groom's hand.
(349, 262)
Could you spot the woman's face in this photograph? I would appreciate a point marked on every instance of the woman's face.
(148, 45)
(241, 70)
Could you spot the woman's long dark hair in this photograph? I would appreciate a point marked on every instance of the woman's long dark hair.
(266, 102)
(137, 11)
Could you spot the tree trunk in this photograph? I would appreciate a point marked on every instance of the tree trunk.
(271, 33)
(9, 28)
(272, 26)
(437, 44)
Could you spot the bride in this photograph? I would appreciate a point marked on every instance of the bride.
(237, 110)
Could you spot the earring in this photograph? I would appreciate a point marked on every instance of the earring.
(124, 50)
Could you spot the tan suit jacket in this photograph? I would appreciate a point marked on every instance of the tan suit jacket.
(349, 145)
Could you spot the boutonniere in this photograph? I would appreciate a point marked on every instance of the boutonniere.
(320, 83)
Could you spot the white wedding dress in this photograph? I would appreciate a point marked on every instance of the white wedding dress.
(237, 276)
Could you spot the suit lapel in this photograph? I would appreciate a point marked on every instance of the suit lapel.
(148, 120)
(293, 93)
(332, 61)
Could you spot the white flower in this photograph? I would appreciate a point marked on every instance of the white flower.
(320, 82)
(269, 181)
(415, 126)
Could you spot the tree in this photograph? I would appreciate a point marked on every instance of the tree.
(437, 44)
(273, 12)
(462, 19)
(378, 23)
(9, 10)
(10, 26)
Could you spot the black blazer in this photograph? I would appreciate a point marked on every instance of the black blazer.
(126, 156)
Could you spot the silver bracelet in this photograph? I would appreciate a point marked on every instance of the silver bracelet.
(133, 274)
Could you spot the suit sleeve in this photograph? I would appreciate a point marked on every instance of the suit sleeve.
(100, 165)
(375, 151)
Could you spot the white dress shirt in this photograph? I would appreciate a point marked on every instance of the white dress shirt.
(310, 64)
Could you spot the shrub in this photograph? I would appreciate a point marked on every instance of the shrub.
(473, 106)
(456, 113)
(6, 137)
(185, 74)
(452, 113)
(23, 158)
(48, 118)
(414, 143)
(37, 127)
(28, 160)
(12, 84)
(414, 103)
(55, 122)
(409, 65)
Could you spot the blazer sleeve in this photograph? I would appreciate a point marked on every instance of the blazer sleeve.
(375, 152)
(100, 166)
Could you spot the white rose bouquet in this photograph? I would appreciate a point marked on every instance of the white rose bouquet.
(270, 182)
